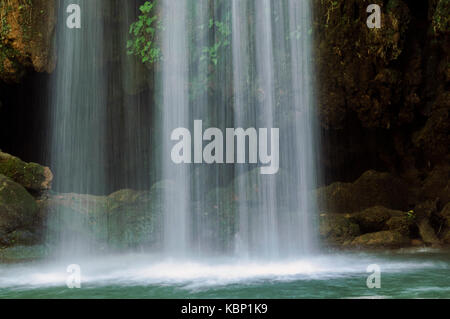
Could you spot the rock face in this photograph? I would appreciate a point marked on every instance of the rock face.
(376, 226)
(32, 176)
(18, 213)
(383, 93)
(125, 219)
(336, 229)
(444, 225)
(382, 239)
(27, 29)
(371, 189)
(375, 219)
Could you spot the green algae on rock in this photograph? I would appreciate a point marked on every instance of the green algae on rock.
(32, 176)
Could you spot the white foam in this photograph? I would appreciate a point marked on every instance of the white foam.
(145, 270)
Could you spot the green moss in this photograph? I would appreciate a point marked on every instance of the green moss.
(7, 53)
(29, 175)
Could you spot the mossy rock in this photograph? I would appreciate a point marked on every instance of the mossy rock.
(371, 189)
(18, 209)
(32, 176)
(402, 224)
(336, 229)
(125, 219)
(372, 219)
(23, 253)
(382, 239)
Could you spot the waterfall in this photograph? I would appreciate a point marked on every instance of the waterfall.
(78, 121)
(267, 67)
(175, 113)
(230, 64)
(275, 55)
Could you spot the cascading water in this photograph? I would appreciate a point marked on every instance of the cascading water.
(175, 113)
(230, 64)
(262, 80)
(78, 123)
(266, 65)
(278, 224)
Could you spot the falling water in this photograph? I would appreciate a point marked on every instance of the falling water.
(270, 84)
(78, 123)
(274, 54)
(175, 113)
(104, 129)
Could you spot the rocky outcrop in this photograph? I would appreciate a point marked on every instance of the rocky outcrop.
(32, 176)
(383, 93)
(27, 29)
(125, 219)
(382, 204)
(354, 62)
(371, 189)
(382, 239)
(376, 218)
(337, 229)
(18, 213)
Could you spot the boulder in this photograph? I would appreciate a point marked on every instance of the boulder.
(371, 189)
(380, 218)
(403, 224)
(444, 225)
(23, 253)
(382, 239)
(124, 219)
(437, 184)
(134, 218)
(424, 212)
(336, 229)
(18, 209)
(445, 215)
(372, 219)
(32, 176)
(427, 232)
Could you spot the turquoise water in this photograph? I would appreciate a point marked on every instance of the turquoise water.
(404, 274)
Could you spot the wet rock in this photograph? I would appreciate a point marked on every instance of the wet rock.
(20, 237)
(433, 138)
(427, 232)
(125, 219)
(26, 37)
(336, 229)
(445, 214)
(437, 184)
(371, 189)
(134, 219)
(32, 176)
(444, 227)
(372, 219)
(354, 62)
(382, 239)
(423, 213)
(23, 253)
(403, 224)
(18, 209)
(379, 218)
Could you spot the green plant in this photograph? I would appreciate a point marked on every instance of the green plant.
(222, 30)
(143, 41)
(411, 215)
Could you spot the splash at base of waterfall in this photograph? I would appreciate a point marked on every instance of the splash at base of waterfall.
(149, 276)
